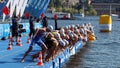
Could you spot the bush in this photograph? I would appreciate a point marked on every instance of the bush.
(94, 12)
(59, 9)
(87, 13)
(91, 11)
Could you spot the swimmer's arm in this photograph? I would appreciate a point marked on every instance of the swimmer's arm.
(46, 35)
(36, 33)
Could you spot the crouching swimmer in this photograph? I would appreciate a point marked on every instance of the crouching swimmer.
(52, 44)
(60, 40)
(38, 38)
(61, 45)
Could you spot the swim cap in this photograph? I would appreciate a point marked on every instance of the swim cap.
(63, 34)
(71, 35)
(61, 42)
(77, 25)
(62, 31)
(76, 31)
(66, 42)
(57, 35)
(69, 32)
(69, 26)
(66, 27)
(50, 28)
(72, 26)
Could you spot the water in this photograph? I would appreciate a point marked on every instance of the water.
(102, 53)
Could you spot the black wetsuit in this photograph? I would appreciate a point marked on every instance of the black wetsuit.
(44, 22)
(32, 27)
(56, 26)
(49, 42)
(14, 27)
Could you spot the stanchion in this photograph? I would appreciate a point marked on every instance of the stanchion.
(40, 62)
(19, 41)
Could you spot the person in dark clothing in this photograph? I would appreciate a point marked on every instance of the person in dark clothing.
(15, 27)
(55, 17)
(56, 26)
(44, 22)
(32, 26)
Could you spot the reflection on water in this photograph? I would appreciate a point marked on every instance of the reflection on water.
(76, 60)
(102, 53)
(96, 56)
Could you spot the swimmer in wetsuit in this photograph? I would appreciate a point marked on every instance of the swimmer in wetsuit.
(52, 44)
(39, 39)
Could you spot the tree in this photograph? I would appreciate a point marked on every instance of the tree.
(51, 3)
(77, 8)
(91, 10)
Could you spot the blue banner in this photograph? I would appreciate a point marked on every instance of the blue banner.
(5, 29)
(1, 30)
(36, 7)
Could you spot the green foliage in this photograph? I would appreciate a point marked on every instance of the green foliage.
(51, 4)
(87, 13)
(57, 5)
(75, 11)
(59, 9)
(81, 11)
(91, 10)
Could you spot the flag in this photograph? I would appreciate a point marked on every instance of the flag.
(27, 15)
(6, 10)
(42, 15)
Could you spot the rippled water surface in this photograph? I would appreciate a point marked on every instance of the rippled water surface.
(102, 53)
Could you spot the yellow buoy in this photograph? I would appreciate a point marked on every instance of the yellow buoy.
(105, 23)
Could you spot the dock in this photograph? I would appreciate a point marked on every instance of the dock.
(11, 58)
